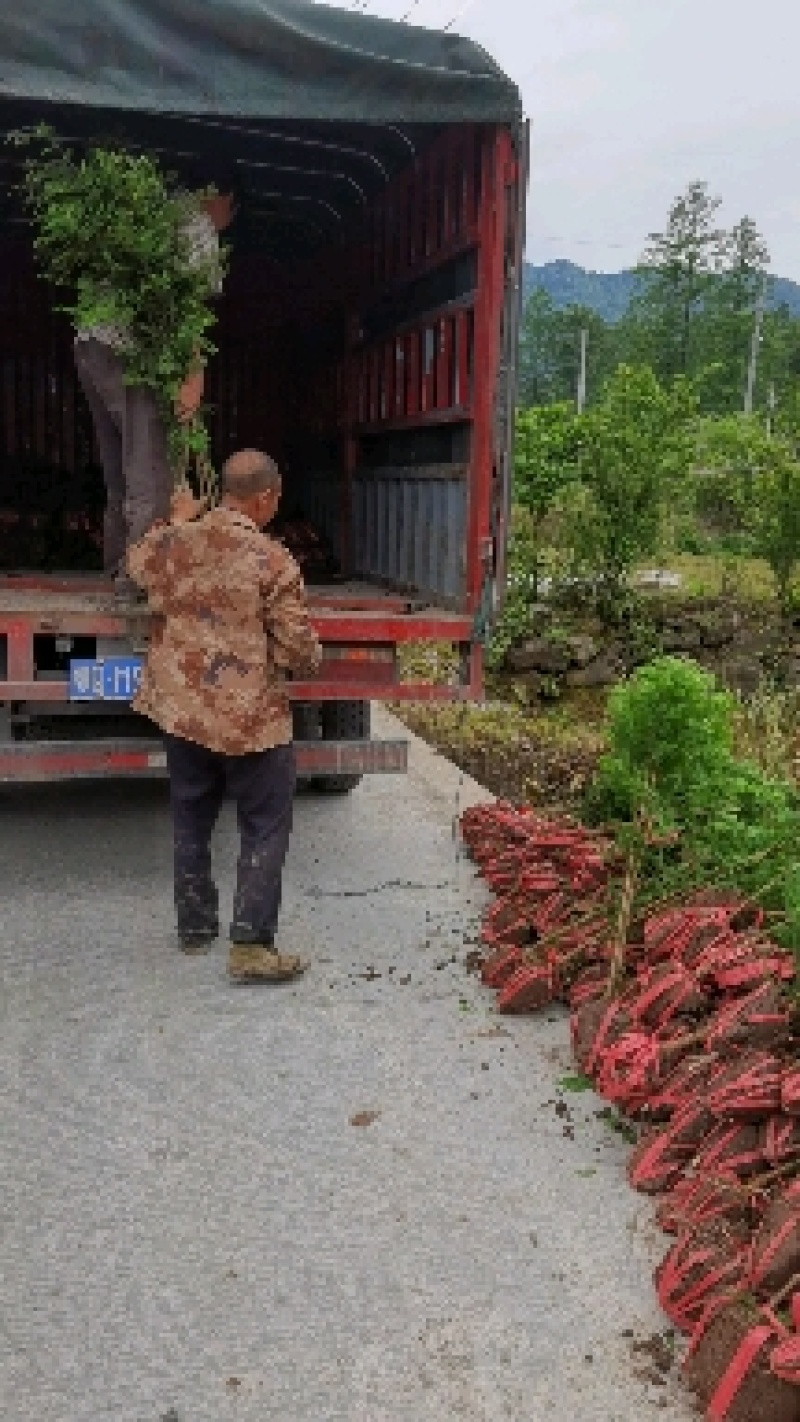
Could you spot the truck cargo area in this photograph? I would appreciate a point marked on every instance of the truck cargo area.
(366, 340)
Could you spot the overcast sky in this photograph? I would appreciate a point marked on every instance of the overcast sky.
(632, 99)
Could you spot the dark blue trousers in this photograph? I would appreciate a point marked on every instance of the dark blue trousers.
(262, 785)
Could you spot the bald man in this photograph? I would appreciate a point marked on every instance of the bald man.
(231, 624)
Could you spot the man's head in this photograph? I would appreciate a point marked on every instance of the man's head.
(251, 484)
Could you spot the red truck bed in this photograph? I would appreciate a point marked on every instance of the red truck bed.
(366, 339)
(360, 628)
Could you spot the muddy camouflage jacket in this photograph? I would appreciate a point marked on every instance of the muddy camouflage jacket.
(231, 621)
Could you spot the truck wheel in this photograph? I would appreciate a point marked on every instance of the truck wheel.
(342, 721)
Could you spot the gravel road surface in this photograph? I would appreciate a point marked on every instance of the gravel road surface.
(358, 1199)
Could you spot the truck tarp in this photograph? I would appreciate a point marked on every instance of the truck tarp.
(259, 59)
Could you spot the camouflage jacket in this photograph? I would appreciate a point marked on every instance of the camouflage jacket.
(231, 620)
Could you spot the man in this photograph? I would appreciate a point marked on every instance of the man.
(130, 430)
(231, 624)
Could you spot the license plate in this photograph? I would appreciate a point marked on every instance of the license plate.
(106, 679)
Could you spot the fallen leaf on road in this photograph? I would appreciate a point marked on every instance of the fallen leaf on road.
(575, 1083)
(364, 1118)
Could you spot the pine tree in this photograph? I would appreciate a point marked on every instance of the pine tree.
(675, 275)
(729, 314)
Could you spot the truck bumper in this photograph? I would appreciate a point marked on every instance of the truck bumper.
(43, 761)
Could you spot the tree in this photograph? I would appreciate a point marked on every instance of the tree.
(636, 450)
(779, 367)
(729, 314)
(550, 345)
(674, 277)
(759, 478)
(545, 461)
(776, 518)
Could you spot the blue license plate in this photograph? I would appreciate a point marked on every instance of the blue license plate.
(106, 679)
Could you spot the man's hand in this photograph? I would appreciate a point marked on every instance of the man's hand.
(190, 396)
(185, 507)
(219, 210)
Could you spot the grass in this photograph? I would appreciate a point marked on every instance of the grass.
(721, 575)
(545, 753)
(767, 731)
(541, 757)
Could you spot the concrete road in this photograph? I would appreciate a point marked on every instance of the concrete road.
(354, 1200)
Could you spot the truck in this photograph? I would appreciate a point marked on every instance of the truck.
(367, 339)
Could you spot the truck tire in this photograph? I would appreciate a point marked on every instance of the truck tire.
(342, 721)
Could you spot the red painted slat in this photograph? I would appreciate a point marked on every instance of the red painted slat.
(496, 162)
(413, 369)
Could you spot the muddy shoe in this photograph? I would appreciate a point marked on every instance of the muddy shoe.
(254, 963)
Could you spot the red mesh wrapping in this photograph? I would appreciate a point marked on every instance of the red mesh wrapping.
(589, 986)
(686, 1082)
(507, 923)
(733, 1147)
(747, 962)
(784, 1361)
(790, 1091)
(667, 992)
(662, 1156)
(501, 966)
(774, 1258)
(685, 932)
(703, 1265)
(780, 1139)
(631, 1070)
(728, 1365)
(747, 1087)
(700, 1201)
(550, 912)
(595, 1027)
(761, 1019)
(530, 988)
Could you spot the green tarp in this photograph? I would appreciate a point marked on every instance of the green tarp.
(260, 59)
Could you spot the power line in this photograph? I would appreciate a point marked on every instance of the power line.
(457, 16)
(415, 4)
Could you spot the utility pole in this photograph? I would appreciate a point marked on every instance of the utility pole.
(752, 368)
(582, 372)
(771, 404)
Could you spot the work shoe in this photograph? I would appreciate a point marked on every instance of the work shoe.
(259, 963)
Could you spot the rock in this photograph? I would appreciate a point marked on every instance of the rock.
(681, 637)
(742, 673)
(659, 578)
(718, 629)
(604, 670)
(582, 649)
(533, 683)
(539, 654)
(787, 672)
(521, 658)
(541, 615)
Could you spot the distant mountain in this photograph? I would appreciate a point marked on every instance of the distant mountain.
(609, 293)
